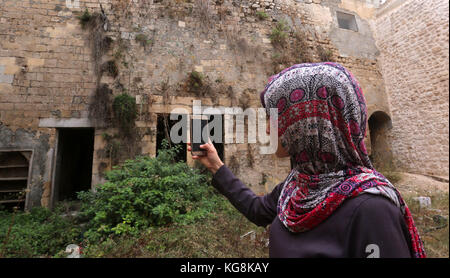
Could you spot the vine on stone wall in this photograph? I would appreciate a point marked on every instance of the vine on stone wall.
(119, 111)
(125, 112)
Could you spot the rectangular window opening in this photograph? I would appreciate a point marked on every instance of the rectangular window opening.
(163, 132)
(346, 21)
(164, 125)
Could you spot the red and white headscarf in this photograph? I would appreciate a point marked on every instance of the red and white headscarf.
(322, 119)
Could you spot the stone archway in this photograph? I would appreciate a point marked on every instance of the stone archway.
(380, 126)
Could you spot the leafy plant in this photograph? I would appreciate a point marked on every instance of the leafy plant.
(39, 232)
(146, 192)
(196, 79)
(84, 18)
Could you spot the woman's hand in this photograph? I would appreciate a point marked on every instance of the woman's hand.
(211, 160)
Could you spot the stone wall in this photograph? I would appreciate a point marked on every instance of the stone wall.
(413, 40)
(48, 77)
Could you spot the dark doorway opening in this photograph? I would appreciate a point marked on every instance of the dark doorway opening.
(73, 168)
(163, 132)
(380, 126)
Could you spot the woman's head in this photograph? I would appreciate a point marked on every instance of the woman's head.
(322, 117)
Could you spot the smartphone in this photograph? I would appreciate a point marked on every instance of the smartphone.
(199, 134)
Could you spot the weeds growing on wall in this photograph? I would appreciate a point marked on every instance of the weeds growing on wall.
(196, 79)
(143, 40)
(125, 112)
(297, 50)
(100, 107)
(96, 24)
(325, 55)
(85, 18)
(279, 34)
(198, 84)
(110, 68)
(204, 12)
(262, 15)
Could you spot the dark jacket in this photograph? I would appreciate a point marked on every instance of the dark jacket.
(364, 226)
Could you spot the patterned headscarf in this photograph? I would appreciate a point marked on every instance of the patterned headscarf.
(322, 118)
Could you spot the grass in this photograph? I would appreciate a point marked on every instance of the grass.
(432, 223)
(42, 233)
(218, 236)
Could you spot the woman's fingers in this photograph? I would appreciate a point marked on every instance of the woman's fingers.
(207, 146)
(204, 146)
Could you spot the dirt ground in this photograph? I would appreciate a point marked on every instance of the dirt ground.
(414, 184)
(432, 221)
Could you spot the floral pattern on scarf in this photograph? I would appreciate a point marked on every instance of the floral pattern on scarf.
(322, 118)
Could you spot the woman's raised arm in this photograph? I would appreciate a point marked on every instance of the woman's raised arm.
(260, 210)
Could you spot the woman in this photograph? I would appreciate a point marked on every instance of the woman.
(333, 203)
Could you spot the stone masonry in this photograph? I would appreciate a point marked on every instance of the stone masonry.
(48, 77)
(412, 37)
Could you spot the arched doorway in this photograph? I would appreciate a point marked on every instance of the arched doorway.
(380, 126)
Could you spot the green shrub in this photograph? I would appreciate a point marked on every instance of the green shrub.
(147, 192)
(85, 18)
(37, 233)
(195, 79)
(217, 236)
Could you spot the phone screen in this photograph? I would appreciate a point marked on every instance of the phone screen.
(197, 126)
